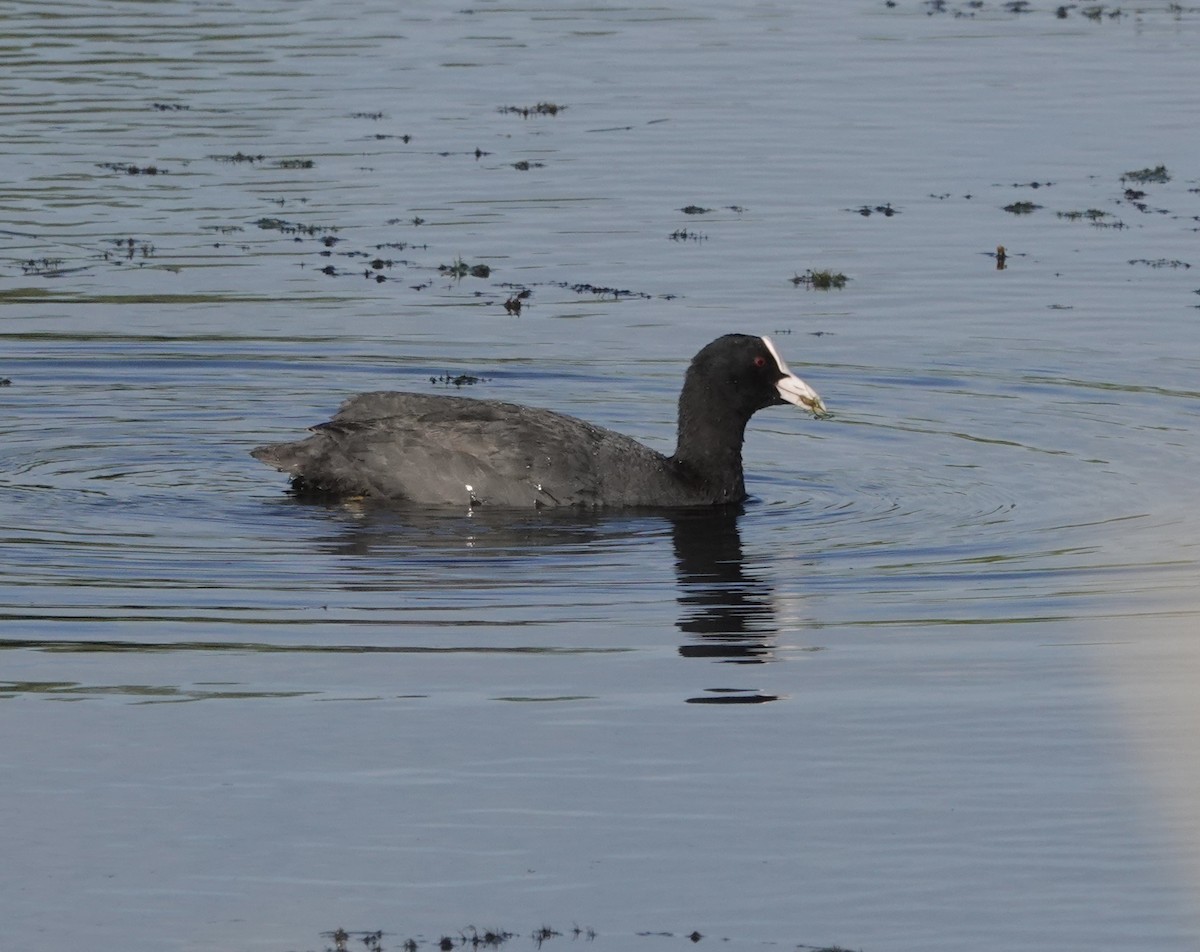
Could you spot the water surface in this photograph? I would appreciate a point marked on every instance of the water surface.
(930, 689)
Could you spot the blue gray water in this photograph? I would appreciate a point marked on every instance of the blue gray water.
(932, 689)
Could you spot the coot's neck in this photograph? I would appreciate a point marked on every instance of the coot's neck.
(709, 448)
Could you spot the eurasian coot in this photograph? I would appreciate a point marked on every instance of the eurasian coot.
(442, 450)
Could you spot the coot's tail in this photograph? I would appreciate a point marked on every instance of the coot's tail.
(282, 456)
(314, 474)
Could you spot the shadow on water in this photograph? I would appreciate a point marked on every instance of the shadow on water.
(727, 609)
(511, 570)
(726, 612)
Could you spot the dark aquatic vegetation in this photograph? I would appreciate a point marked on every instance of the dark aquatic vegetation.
(130, 169)
(886, 210)
(457, 380)
(820, 280)
(238, 158)
(372, 941)
(130, 248)
(454, 451)
(1160, 262)
(43, 267)
(293, 228)
(541, 109)
(1155, 176)
(1097, 217)
(615, 293)
(460, 269)
(1098, 11)
(516, 301)
(471, 937)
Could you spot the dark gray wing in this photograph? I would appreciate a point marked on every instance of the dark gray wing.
(437, 450)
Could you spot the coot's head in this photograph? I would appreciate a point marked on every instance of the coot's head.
(746, 374)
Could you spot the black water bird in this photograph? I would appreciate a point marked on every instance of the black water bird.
(435, 450)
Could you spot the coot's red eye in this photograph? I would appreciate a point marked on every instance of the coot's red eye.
(760, 361)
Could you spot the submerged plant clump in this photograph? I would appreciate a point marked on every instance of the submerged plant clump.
(1098, 217)
(130, 169)
(1156, 176)
(885, 210)
(1098, 11)
(293, 228)
(820, 280)
(457, 380)
(1022, 208)
(541, 109)
(615, 293)
(372, 941)
(237, 158)
(470, 937)
(516, 301)
(1160, 262)
(128, 249)
(43, 267)
(460, 269)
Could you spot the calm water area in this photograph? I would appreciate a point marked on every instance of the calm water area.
(933, 688)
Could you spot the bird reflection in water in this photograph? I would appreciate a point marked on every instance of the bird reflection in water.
(726, 612)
